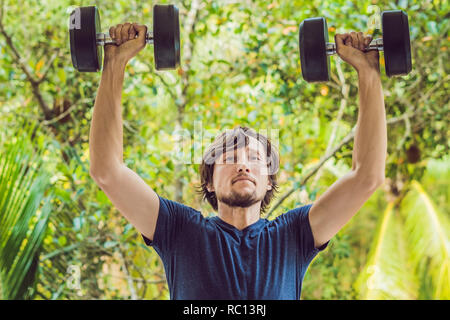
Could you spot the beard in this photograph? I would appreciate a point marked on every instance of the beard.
(239, 199)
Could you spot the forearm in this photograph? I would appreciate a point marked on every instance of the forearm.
(370, 144)
(106, 134)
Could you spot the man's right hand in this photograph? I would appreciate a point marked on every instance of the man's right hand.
(127, 44)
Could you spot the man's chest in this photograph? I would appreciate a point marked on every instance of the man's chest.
(251, 266)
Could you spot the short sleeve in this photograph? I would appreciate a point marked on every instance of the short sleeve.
(300, 222)
(172, 217)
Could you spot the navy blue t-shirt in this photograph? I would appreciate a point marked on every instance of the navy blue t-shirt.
(207, 258)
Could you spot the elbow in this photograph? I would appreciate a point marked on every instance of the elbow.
(379, 177)
(98, 179)
(378, 182)
(101, 177)
(371, 181)
(102, 170)
(372, 184)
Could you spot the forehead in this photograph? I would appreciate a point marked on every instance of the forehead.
(232, 143)
(253, 146)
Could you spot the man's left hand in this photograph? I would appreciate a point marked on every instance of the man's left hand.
(351, 47)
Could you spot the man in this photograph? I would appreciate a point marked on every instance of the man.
(236, 254)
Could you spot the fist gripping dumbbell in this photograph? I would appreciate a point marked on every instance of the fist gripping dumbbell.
(315, 49)
(87, 41)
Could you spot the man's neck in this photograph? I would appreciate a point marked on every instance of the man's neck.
(239, 217)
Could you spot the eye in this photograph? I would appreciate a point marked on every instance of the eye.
(253, 158)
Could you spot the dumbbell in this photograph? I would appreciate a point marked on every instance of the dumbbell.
(87, 41)
(315, 48)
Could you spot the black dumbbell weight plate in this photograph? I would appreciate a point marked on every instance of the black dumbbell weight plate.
(396, 42)
(313, 36)
(166, 37)
(84, 25)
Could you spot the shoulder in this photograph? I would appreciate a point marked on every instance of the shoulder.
(293, 217)
(178, 215)
(176, 208)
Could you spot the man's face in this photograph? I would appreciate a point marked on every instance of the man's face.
(240, 177)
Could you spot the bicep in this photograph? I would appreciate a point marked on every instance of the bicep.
(338, 205)
(134, 199)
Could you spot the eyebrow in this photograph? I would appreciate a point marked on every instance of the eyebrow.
(251, 150)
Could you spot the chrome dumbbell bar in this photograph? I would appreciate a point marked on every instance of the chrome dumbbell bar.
(376, 44)
(103, 39)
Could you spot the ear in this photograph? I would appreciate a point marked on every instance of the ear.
(210, 188)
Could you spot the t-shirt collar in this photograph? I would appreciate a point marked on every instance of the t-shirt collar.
(251, 229)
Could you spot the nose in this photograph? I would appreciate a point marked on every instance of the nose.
(243, 167)
(243, 164)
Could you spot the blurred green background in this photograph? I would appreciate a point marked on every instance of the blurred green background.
(60, 237)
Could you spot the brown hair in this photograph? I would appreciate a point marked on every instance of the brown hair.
(233, 139)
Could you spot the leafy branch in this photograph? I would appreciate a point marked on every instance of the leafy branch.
(20, 61)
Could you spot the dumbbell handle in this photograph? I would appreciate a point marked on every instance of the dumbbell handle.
(376, 44)
(103, 39)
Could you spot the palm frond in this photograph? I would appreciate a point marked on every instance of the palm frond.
(388, 273)
(428, 238)
(24, 213)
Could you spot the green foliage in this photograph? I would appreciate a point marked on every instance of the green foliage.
(387, 274)
(429, 243)
(25, 206)
(244, 69)
(409, 258)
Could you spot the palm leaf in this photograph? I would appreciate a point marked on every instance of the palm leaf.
(388, 273)
(427, 234)
(24, 213)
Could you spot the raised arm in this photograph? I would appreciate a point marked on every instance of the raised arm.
(137, 202)
(346, 196)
